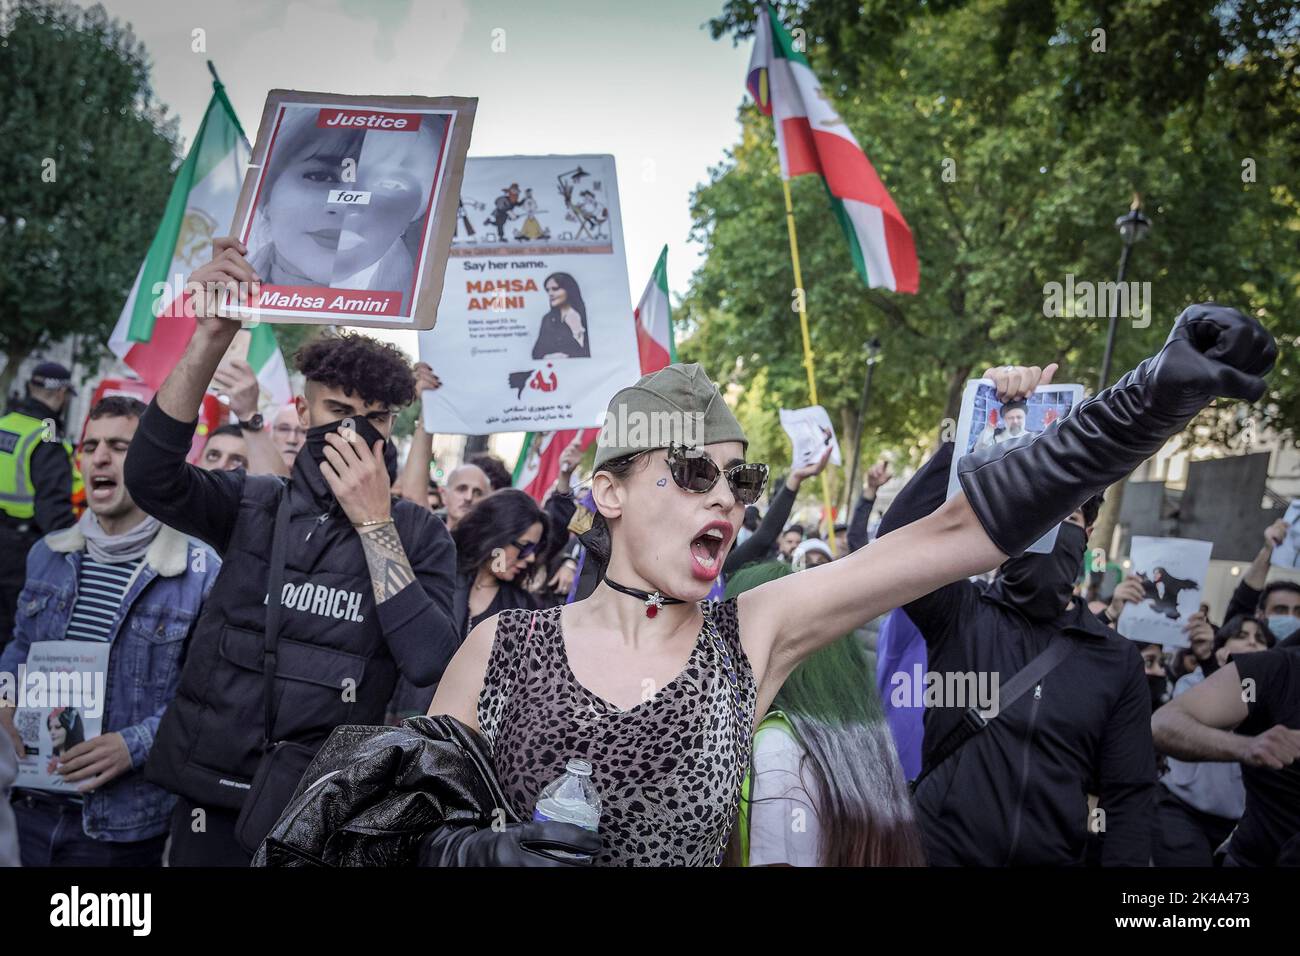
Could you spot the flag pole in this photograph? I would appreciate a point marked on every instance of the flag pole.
(807, 345)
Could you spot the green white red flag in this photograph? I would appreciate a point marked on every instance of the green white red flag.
(153, 329)
(539, 461)
(811, 138)
(654, 321)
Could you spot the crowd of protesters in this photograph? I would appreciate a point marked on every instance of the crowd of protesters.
(293, 579)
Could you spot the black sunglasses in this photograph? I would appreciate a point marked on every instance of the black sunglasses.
(696, 472)
(525, 548)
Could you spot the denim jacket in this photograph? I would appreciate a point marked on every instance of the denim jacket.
(148, 641)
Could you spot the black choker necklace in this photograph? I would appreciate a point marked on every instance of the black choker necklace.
(653, 599)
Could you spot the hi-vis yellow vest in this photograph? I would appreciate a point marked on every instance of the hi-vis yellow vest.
(19, 436)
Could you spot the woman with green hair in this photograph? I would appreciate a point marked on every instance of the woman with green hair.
(825, 787)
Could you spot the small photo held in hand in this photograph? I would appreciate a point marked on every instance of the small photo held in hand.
(811, 433)
(1172, 573)
(1287, 554)
(985, 422)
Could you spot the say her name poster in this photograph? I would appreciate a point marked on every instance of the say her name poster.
(535, 329)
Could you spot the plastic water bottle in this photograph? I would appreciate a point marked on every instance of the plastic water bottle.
(571, 798)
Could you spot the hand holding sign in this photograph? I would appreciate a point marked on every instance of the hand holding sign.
(96, 762)
(226, 278)
(811, 433)
(1283, 536)
(801, 473)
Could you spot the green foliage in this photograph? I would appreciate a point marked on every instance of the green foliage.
(293, 337)
(1045, 140)
(85, 171)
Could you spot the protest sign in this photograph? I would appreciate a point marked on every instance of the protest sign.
(985, 422)
(1172, 572)
(60, 694)
(1287, 554)
(536, 328)
(810, 432)
(348, 207)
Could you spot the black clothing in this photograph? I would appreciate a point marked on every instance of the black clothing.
(1272, 818)
(339, 652)
(1166, 603)
(1040, 585)
(213, 845)
(761, 545)
(1016, 793)
(859, 523)
(14, 545)
(1245, 600)
(554, 335)
(509, 595)
(559, 510)
(1185, 836)
(373, 793)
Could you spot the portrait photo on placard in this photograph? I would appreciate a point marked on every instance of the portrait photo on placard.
(987, 422)
(341, 216)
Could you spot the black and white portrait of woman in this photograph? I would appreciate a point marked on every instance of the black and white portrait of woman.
(563, 333)
(299, 237)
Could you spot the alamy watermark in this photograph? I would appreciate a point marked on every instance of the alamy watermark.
(42, 690)
(944, 689)
(630, 428)
(1098, 300)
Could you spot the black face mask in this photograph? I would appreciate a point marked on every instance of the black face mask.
(1040, 585)
(315, 443)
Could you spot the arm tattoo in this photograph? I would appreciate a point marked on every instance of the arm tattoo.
(390, 571)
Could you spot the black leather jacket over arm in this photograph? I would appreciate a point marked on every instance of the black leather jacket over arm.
(372, 795)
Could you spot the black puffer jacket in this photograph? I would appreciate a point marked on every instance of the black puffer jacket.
(373, 793)
(339, 652)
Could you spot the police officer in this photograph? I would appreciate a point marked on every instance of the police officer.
(36, 478)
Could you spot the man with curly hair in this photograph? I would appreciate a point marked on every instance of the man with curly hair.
(366, 592)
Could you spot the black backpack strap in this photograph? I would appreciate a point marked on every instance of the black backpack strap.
(974, 720)
(274, 592)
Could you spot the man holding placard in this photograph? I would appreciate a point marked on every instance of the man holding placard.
(1276, 601)
(1034, 645)
(334, 587)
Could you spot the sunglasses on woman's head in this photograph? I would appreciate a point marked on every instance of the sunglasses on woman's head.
(696, 472)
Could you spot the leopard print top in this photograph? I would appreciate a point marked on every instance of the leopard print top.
(668, 771)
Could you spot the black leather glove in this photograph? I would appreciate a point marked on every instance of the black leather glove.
(518, 844)
(1021, 492)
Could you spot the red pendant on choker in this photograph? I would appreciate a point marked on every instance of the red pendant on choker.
(654, 600)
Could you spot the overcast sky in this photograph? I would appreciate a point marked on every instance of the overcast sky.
(641, 81)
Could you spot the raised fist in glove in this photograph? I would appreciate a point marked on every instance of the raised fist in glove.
(1019, 491)
(546, 843)
(1212, 351)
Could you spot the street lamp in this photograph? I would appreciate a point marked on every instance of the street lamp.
(873, 356)
(1133, 228)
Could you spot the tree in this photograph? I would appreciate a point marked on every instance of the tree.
(87, 163)
(1011, 134)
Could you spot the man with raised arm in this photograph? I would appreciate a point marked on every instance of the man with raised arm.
(367, 580)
